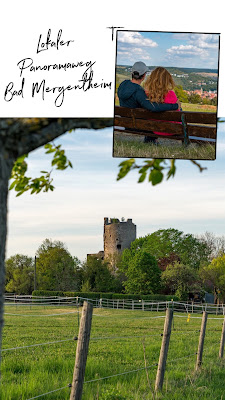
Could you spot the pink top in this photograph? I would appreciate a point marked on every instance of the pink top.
(172, 99)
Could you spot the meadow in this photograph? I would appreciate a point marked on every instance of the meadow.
(121, 341)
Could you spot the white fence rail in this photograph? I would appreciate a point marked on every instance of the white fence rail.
(125, 304)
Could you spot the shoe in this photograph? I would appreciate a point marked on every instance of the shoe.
(149, 139)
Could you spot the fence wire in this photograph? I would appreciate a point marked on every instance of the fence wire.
(115, 375)
(103, 304)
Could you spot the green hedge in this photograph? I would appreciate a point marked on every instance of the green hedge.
(47, 293)
(98, 295)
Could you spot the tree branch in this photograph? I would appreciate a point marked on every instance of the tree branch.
(22, 135)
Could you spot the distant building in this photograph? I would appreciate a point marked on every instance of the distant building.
(118, 235)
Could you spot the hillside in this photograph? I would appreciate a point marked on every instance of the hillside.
(188, 78)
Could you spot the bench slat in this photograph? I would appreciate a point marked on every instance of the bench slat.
(190, 116)
(148, 125)
(202, 131)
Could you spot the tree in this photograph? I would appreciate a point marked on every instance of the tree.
(181, 94)
(153, 170)
(206, 101)
(20, 274)
(180, 279)
(169, 260)
(97, 276)
(164, 242)
(194, 98)
(56, 268)
(215, 273)
(19, 136)
(143, 274)
(215, 244)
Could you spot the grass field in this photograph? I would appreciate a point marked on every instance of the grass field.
(116, 346)
(132, 147)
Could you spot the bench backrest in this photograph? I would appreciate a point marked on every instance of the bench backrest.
(195, 124)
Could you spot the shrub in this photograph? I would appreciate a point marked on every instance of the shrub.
(98, 295)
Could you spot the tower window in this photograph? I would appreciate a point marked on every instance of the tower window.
(118, 247)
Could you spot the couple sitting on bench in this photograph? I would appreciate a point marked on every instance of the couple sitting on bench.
(157, 95)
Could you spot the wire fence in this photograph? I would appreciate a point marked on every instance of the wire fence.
(115, 375)
(118, 304)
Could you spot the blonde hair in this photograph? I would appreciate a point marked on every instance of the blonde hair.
(158, 84)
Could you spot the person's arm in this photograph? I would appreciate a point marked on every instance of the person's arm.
(155, 107)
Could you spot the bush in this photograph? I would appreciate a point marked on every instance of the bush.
(98, 295)
(47, 293)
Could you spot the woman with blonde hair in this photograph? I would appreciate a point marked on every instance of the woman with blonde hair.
(159, 87)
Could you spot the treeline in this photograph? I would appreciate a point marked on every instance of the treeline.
(166, 262)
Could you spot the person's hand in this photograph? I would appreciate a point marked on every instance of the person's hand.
(179, 104)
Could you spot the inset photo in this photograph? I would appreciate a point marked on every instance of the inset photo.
(166, 95)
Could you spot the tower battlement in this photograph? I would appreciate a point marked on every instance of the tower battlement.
(118, 235)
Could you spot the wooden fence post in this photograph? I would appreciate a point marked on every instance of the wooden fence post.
(164, 350)
(201, 341)
(222, 340)
(82, 351)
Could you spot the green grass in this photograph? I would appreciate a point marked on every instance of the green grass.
(116, 346)
(127, 147)
(198, 107)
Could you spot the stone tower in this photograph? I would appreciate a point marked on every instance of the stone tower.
(118, 236)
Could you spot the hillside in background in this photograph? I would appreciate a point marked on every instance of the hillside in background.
(189, 78)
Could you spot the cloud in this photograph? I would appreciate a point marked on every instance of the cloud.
(201, 40)
(187, 51)
(204, 41)
(132, 53)
(135, 38)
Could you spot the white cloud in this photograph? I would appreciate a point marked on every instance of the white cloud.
(201, 40)
(205, 41)
(124, 53)
(187, 50)
(135, 38)
(134, 53)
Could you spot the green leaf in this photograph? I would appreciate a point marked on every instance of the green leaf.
(142, 177)
(12, 185)
(126, 166)
(155, 177)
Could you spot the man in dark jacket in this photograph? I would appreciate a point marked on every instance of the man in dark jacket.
(132, 95)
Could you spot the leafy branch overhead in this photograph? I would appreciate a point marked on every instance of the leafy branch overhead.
(154, 170)
(22, 183)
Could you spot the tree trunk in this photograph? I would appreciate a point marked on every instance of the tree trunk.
(19, 136)
(6, 165)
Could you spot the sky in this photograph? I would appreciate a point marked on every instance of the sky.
(192, 202)
(167, 49)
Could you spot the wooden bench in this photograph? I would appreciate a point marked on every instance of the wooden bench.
(197, 127)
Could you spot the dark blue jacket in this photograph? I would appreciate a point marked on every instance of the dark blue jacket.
(133, 95)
